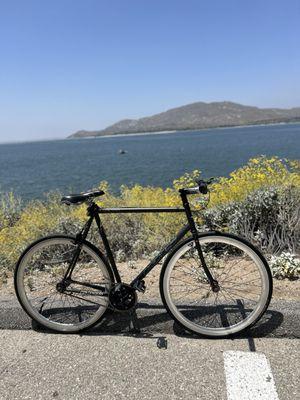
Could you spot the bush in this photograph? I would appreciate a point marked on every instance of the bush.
(37, 219)
(259, 173)
(10, 210)
(287, 265)
(268, 217)
(138, 235)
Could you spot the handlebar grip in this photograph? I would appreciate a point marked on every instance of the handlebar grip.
(193, 190)
(203, 187)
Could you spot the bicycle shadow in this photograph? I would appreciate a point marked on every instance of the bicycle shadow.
(153, 321)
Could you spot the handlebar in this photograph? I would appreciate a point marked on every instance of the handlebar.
(202, 187)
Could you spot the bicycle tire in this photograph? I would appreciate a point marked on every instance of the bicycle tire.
(44, 278)
(194, 315)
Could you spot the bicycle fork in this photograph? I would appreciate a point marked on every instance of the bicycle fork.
(213, 282)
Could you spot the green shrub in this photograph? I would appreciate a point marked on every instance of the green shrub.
(258, 173)
(268, 217)
(10, 209)
(287, 265)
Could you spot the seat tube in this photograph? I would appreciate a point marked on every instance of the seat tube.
(107, 248)
(194, 232)
(80, 237)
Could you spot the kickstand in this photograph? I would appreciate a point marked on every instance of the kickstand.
(134, 325)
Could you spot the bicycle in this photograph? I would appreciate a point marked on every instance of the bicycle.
(211, 283)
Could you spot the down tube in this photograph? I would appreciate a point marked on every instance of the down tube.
(162, 253)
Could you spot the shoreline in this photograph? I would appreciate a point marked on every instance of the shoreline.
(182, 131)
(148, 133)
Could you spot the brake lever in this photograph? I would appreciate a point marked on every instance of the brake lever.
(211, 180)
(203, 184)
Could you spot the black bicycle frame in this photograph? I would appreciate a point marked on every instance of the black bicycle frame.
(94, 211)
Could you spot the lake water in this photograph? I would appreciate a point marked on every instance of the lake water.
(32, 169)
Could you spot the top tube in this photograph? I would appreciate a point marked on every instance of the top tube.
(140, 210)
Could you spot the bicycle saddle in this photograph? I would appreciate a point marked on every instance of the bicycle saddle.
(80, 198)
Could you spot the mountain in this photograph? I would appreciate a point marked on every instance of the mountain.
(198, 116)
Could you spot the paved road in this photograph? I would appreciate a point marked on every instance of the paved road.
(44, 366)
(281, 320)
(160, 362)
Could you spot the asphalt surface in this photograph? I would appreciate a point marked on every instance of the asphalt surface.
(37, 365)
(146, 356)
(282, 320)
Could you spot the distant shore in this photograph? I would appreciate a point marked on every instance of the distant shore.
(150, 133)
(197, 116)
(130, 134)
(183, 130)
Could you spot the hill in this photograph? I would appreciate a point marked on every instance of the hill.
(198, 115)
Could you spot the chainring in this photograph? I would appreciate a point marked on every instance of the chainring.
(122, 297)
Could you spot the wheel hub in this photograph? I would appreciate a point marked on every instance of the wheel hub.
(62, 285)
(215, 286)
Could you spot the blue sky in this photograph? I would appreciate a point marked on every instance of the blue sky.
(69, 64)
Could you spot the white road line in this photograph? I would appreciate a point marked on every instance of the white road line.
(248, 376)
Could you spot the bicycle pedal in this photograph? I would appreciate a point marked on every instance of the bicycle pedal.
(140, 286)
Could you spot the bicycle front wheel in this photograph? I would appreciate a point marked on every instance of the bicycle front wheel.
(38, 276)
(244, 279)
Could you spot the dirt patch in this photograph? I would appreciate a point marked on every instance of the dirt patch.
(286, 290)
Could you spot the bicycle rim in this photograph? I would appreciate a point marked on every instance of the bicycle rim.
(244, 279)
(81, 304)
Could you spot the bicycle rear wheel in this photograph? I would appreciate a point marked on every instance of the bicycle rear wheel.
(242, 273)
(39, 272)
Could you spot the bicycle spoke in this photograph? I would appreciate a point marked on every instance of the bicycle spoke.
(240, 286)
(86, 294)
